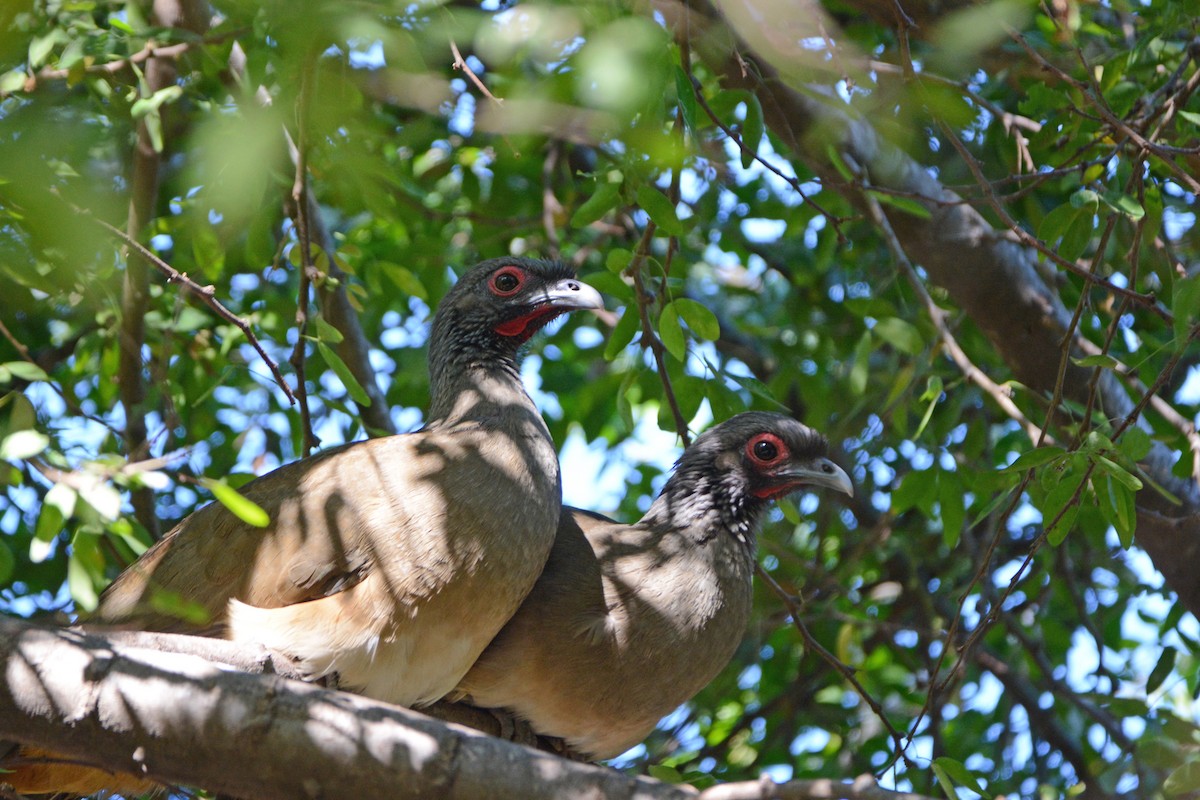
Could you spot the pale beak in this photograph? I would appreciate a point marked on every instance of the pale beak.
(569, 294)
(821, 472)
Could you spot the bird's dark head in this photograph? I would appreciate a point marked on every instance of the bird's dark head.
(733, 471)
(499, 304)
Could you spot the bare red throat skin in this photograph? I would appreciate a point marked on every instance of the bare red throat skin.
(775, 492)
(527, 325)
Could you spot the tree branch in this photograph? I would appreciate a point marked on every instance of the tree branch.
(183, 720)
(183, 717)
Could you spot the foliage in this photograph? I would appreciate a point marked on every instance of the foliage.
(984, 587)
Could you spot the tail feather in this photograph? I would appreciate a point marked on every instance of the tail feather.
(33, 771)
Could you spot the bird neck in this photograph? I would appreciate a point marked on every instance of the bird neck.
(477, 393)
(472, 371)
(704, 506)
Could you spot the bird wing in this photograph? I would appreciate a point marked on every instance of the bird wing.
(414, 510)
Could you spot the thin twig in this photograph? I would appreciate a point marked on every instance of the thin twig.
(796, 613)
(972, 373)
(650, 338)
(304, 242)
(206, 293)
(461, 63)
(1091, 91)
(1148, 301)
(148, 52)
(790, 181)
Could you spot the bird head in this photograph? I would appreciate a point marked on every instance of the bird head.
(499, 304)
(734, 470)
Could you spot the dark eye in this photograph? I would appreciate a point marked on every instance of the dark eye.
(507, 281)
(766, 448)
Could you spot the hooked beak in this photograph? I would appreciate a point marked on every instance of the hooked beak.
(569, 294)
(821, 472)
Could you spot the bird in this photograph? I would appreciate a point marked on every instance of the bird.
(388, 565)
(628, 622)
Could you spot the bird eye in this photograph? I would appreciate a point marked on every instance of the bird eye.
(766, 448)
(507, 281)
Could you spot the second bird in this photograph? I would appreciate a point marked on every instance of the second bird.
(628, 622)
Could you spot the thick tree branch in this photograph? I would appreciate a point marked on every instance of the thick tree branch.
(179, 718)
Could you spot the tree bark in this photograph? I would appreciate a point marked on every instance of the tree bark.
(184, 717)
(183, 720)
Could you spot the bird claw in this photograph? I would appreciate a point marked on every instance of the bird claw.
(513, 728)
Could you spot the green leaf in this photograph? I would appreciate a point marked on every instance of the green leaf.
(1166, 663)
(353, 387)
(671, 333)
(1093, 172)
(660, 209)
(664, 773)
(753, 130)
(1127, 479)
(617, 260)
(7, 562)
(405, 280)
(961, 775)
(687, 99)
(12, 81)
(839, 163)
(242, 507)
(21, 445)
(327, 333)
(1185, 306)
(860, 370)
(603, 200)
(25, 370)
(50, 522)
(1056, 223)
(41, 47)
(1077, 237)
(1035, 458)
(1117, 508)
(1124, 204)
(992, 505)
(953, 503)
(917, 489)
(1057, 505)
(933, 393)
(1097, 360)
(1085, 199)
(1135, 444)
(622, 333)
(1184, 780)
(944, 781)
(900, 334)
(79, 581)
(905, 204)
(702, 321)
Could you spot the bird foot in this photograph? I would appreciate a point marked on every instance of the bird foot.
(513, 728)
